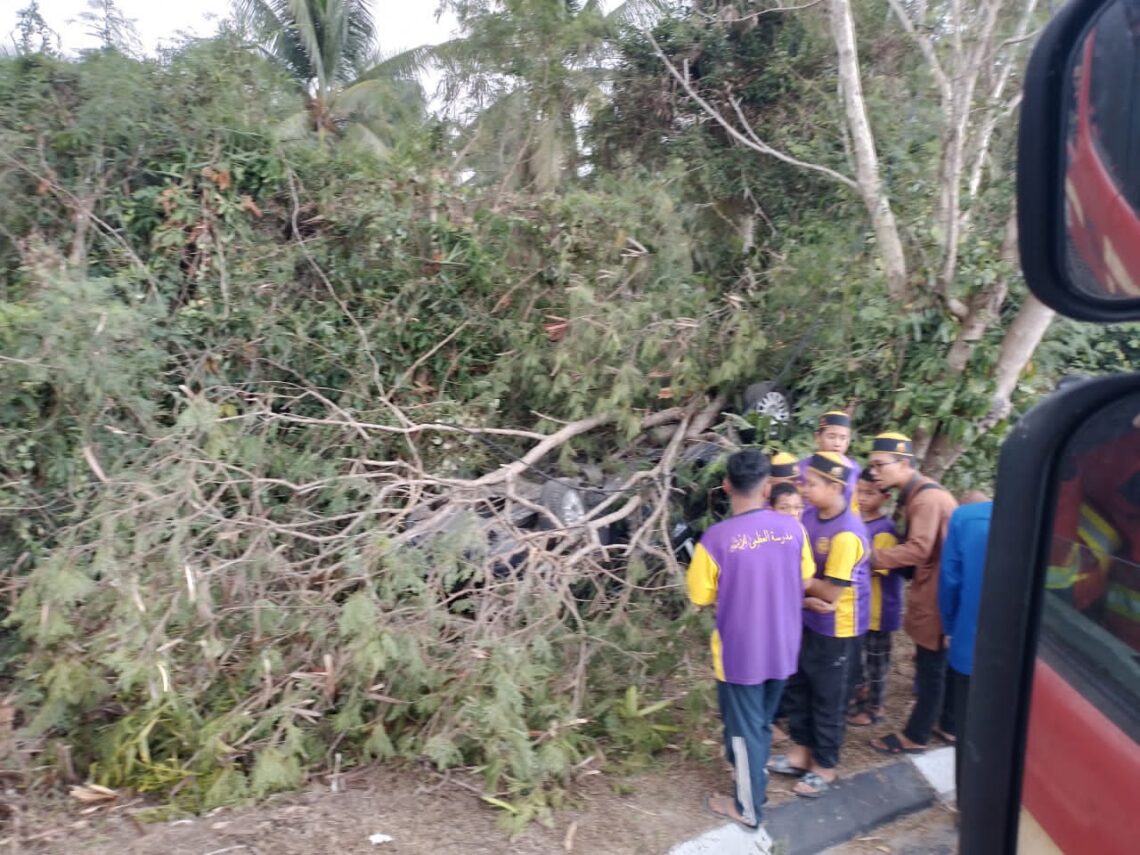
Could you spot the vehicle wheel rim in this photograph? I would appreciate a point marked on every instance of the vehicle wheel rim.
(775, 406)
(573, 509)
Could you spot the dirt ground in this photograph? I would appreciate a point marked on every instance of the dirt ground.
(424, 812)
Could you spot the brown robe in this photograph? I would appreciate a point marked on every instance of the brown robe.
(927, 517)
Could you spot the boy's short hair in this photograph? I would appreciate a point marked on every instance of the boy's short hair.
(747, 469)
(865, 477)
(781, 490)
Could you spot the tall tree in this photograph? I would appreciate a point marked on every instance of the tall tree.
(523, 76)
(32, 34)
(107, 23)
(965, 59)
(328, 47)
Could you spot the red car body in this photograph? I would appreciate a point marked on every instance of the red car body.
(1099, 216)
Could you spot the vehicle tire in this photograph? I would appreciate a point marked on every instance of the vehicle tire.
(562, 500)
(769, 399)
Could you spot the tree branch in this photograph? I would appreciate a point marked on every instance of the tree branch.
(749, 139)
(926, 47)
(875, 198)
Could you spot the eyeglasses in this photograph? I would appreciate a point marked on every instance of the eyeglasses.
(876, 465)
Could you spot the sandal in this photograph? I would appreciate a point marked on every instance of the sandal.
(780, 765)
(814, 786)
(891, 744)
(723, 807)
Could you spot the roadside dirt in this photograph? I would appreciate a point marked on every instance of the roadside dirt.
(424, 812)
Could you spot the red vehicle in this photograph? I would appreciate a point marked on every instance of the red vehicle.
(1102, 190)
(1052, 751)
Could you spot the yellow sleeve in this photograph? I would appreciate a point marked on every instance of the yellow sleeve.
(807, 559)
(884, 540)
(702, 577)
(846, 552)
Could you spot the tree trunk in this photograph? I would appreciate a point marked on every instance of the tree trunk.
(985, 305)
(1017, 348)
(866, 159)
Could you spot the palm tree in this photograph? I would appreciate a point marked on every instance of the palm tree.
(527, 72)
(328, 47)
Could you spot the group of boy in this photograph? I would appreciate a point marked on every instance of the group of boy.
(807, 580)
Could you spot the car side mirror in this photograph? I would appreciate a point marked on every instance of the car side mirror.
(1054, 702)
(1079, 163)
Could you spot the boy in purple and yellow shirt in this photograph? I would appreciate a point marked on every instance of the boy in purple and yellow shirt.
(874, 663)
(835, 615)
(754, 567)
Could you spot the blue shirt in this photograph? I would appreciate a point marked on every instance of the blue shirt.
(960, 580)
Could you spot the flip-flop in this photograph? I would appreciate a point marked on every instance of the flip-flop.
(818, 786)
(892, 745)
(730, 815)
(780, 765)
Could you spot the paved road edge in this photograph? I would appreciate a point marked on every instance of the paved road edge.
(853, 807)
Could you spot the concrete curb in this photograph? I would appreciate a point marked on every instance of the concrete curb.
(853, 807)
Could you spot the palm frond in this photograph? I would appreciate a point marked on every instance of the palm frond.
(371, 98)
(327, 41)
(303, 20)
(270, 24)
(404, 65)
(359, 38)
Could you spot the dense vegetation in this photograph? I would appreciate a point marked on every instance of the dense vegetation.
(284, 354)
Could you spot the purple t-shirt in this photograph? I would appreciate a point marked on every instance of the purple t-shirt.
(886, 591)
(853, 608)
(760, 594)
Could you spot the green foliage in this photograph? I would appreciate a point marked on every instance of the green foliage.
(195, 617)
(244, 379)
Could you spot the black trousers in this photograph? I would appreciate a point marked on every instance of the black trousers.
(872, 667)
(816, 696)
(747, 713)
(929, 707)
(855, 669)
(960, 687)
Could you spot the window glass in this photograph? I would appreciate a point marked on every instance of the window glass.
(1092, 609)
(1082, 753)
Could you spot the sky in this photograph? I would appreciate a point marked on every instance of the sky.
(401, 23)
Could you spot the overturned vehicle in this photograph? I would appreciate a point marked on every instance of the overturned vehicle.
(632, 521)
